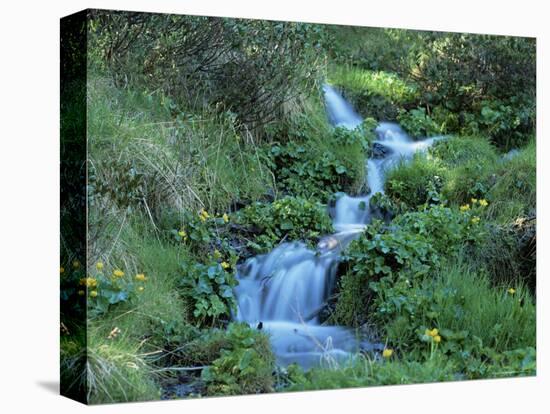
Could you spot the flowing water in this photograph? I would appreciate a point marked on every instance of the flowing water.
(283, 291)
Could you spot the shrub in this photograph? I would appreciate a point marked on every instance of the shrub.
(289, 218)
(415, 182)
(245, 365)
(380, 253)
(200, 59)
(419, 124)
(301, 173)
(448, 230)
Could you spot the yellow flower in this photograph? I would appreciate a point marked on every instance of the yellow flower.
(217, 254)
(61, 269)
(118, 273)
(141, 277)
(88, 281)
(81, 293)
(433, 332)
(225, 265)
(93, 293)
(483, 202)
(387, 353)
(76, 264)
(99, 266)
(474, 200)
(141, 289)
(475, 219)
(437, 339)
(465, 207)
(511, 291)
(203, 214)
(225, 218)
(182, 234)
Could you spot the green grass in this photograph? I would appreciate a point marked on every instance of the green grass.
(181, 160)
(514, 193)
(377, 94)
(463, 299)
(367, 372)
(415, 182)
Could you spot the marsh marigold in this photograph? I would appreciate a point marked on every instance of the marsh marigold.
(141, 277)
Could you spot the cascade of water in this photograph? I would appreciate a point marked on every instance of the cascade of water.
(288, 287)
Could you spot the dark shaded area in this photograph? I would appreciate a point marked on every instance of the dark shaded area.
(73, 203)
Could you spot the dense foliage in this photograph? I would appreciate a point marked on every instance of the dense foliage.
(209, 142)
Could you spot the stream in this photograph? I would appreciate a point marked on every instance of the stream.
(283, 292)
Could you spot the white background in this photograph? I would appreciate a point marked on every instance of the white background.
(29, 204)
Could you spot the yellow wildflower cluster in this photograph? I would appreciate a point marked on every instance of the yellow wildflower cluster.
(387, 353)
(183, 234)
(141, 277)
(88, 282)
(217, 255)
(434, 334)
(203, 215)
(99, 266)
(511, 291)
(76, 264)
(225, 218)
(482, 202)
(118, 273)
(225, 265)
(465, 207)
(93, 293)
(475, 220)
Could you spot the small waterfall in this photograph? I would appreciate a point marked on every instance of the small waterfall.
(340, 112)
(287, 288)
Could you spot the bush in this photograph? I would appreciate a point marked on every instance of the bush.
(310, 158)
(245, 365)
(417, 182)
(289, 218)
(418, 124)
(203, 59)
(380, 253)
(391, 258)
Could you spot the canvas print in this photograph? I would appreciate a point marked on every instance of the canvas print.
(253, 206)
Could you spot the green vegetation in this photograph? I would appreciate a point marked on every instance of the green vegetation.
(209, 142)
(289, 218)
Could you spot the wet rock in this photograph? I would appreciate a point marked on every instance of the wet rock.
(380, 150)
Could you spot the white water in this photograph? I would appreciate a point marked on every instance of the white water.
(287, 288)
